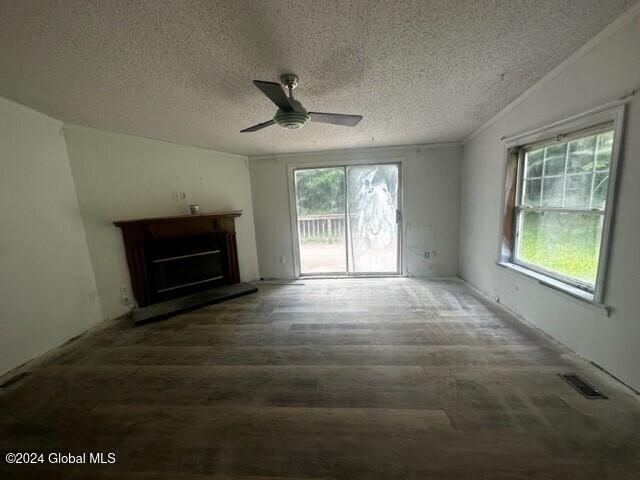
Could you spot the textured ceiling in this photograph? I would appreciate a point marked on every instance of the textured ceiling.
(419, 71)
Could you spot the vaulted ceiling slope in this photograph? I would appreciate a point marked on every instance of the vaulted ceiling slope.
(419, 71)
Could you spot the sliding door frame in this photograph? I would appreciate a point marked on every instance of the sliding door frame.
(344, 163)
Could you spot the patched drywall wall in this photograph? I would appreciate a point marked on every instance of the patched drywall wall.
(606, 69)
(47, 289)
(123, 177)
(431, 190)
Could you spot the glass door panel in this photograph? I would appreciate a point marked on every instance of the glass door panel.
(372, 226)
(320, 204)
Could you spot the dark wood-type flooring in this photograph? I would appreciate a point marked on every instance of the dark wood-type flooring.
(345, 379)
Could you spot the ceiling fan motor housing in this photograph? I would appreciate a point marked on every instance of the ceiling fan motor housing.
(291, 119)
(296, 118)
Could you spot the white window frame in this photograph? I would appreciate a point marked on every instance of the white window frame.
(581, 125)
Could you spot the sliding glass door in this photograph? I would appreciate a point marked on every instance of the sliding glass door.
(348, 219)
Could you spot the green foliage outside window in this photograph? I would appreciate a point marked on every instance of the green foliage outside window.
(320, 191)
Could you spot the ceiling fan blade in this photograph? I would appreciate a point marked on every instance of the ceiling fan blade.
(336, 118)
(257, 127)
(275, 93)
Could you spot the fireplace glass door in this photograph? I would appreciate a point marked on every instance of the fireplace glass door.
(185, 265)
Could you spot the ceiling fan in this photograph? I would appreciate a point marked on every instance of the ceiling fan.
(291, 113)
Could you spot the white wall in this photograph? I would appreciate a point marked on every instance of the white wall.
(431, 182)
(121, 177)
(47, 288)
(605, 69)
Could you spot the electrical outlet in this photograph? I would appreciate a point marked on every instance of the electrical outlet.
(283, 260)
(124, 296)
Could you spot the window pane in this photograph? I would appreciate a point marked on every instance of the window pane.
(533, 162)
(372, 192)
(603, 152)
(531, 194)
(552, 190)
(578, 191)
(600, 188)
(565, 243)
(581, 154)
(321, 220)
(554, 159)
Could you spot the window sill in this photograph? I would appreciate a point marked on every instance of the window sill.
(555, 285)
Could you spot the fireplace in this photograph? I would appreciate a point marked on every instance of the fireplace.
(186, 264)
(173, 257)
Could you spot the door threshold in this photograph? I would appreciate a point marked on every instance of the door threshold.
(330, 276)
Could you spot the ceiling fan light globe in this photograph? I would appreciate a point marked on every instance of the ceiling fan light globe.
(291, 120)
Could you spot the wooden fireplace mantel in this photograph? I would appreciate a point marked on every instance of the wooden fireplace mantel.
(144, 238)
(178, 218)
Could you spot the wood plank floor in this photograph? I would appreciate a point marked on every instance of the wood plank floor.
(345, 379)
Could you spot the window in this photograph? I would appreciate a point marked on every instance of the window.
(557, 211)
